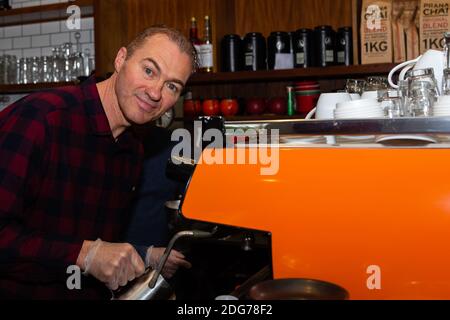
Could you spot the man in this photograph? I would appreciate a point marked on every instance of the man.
(69, 164)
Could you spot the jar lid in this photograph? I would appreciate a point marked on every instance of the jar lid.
(232, 36)
(325, 27)
(419, 73)
(279, 33)
(254, 34)
(345, 29)
(304, 30)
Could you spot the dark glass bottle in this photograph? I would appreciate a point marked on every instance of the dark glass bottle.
(193, 32)
(193, 37)
(206, 48)
(4, 5)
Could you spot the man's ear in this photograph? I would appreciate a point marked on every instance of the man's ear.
(120, 59)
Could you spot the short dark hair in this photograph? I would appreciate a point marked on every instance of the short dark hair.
(173, 34)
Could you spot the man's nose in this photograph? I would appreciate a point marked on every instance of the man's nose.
(154, 91)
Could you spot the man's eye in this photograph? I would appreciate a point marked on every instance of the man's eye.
(148, 71)
(172, 87)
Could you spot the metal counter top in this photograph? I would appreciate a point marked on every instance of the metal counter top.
(425, 125)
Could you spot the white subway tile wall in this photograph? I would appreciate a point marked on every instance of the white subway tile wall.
(35, 52)
(22, 43)
(39, 38)
(30, 3)
(31, 29)
(13, 31)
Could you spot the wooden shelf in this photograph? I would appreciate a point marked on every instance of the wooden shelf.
(290, 74)
(44, 13)
(265, 116)
(21, 88)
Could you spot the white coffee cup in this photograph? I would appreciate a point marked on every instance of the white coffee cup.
(355, 96)
(373, 94)
(327, 103)
(324, 109)
(356, 105)
(443, 99)
(364, 108)
(441, 109)
(430, 59)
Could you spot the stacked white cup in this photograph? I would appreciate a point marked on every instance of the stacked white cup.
(358, 109)
(327, 103)
(363, 108)
(441, 108)
(326, 106)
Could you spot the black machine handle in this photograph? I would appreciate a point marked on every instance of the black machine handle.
(180, 168)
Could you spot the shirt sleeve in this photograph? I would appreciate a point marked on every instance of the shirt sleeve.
(26, 254)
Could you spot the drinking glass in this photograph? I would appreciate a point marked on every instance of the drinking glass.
(375, 83)
(423, 75)
(67, 58)
(3, 70)
(57, 65)
(421, 99)
(45, 70)
(355, 86)
(77, 62)
(446, 82)
(403, 92)
(34, 70)
(391, 104)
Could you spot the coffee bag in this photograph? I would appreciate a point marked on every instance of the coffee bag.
(376, 32)
(434, 21)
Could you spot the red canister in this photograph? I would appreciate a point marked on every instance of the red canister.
(306, 95)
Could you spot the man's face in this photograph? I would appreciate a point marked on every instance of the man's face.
(151, 80)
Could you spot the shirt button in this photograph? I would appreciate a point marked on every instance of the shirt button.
(133, 188)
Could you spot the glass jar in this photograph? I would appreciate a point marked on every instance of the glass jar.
(422, 75)
(325, 46)
(254, 51)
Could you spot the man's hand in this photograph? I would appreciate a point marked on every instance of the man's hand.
(112, 263)
(175, 260)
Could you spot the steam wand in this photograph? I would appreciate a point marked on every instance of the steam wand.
(178, 235)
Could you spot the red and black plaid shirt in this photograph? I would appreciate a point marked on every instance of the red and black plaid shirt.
(63, 179)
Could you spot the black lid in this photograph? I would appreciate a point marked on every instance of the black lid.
(279, 33)
(254, 34)
(345, 29)
(232, 36)
(304, 30)
(325, 27)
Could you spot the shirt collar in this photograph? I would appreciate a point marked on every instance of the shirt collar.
(94, 108)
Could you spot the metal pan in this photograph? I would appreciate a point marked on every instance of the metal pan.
(297, 289)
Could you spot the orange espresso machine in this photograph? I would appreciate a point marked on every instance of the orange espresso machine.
(372, 218)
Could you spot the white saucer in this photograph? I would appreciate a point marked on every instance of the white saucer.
(357, 137)
(405, 138)
(302, 140)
